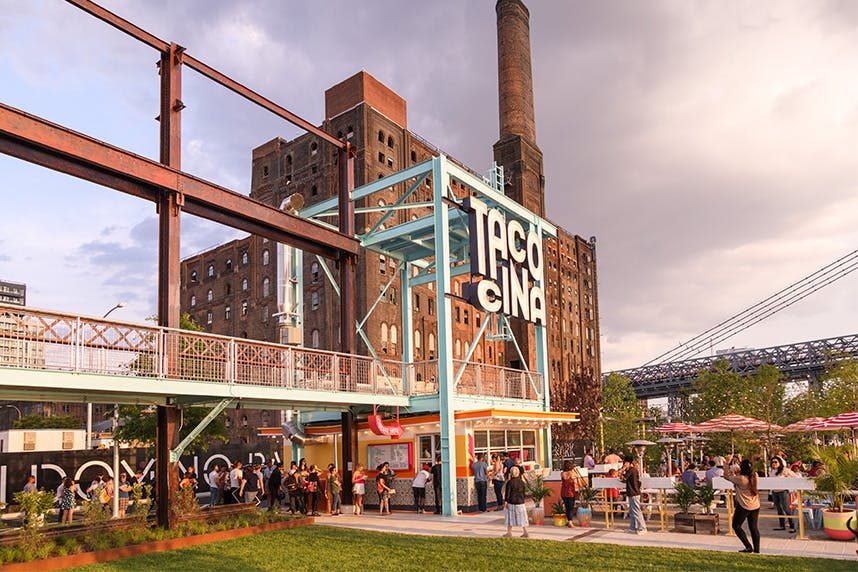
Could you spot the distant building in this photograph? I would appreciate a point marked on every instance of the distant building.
(31, 440)
(13, 293)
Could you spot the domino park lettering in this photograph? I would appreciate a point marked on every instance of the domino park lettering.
(506, 265)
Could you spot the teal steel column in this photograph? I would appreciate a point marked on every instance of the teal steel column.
(407, 329)
(542, 368)
(446, 391)
(297, 450)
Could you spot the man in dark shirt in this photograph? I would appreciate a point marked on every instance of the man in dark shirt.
(631, 476)
(436, 483)
(251, 484)
(273, 484)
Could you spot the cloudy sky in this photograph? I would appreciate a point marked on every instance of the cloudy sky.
(711, 147)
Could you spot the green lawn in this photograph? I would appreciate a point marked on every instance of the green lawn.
(323, 548)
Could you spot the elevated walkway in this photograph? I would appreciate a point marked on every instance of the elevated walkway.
(52, 356)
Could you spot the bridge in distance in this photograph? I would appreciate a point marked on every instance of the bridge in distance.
(799, 361)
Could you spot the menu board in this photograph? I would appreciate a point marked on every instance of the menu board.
(399, 455)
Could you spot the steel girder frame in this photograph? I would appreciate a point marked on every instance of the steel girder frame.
(430, 243)
(60, 149)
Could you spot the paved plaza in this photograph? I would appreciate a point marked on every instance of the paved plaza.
(491, 525)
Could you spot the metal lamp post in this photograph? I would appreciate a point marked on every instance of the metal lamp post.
(88, 439)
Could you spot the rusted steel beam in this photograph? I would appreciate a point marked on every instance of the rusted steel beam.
(202, 198)
(204, 69)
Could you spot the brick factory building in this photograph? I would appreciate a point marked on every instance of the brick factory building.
(232, 289)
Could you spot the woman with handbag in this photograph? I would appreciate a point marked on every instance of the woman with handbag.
(313, 490)
(385, 481)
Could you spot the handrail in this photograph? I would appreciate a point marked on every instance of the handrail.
(32, 338)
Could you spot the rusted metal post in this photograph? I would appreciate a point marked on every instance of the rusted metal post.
(169, 212)
(345, 162)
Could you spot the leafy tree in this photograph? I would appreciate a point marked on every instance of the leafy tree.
(36, 421)
(840, 388)
(621, 406)
(138, 423)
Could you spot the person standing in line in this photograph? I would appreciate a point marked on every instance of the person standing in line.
(384, 481)
(250, 484)
(781, 497)
(631, 476)
(570, 484)
(335, 486)
(358, 488)
(236, 478)
(106, 496)
(515, 513)
(67, 502)
(30, 487)
(497, 477)
(481, 480)
(59, 500)
(214, 491)
(744, 480)
(418, 488)
(293, 490)
(313, 492)
(508, 463)
(437, 483)
(275, 479)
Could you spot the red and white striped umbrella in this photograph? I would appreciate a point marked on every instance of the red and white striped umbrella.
(803, 425)
(848, 420)
(675, 427)
(733, 422)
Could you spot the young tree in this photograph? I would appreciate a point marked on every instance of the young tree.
(621, 406)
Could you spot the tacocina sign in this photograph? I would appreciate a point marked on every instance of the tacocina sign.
(509, 263)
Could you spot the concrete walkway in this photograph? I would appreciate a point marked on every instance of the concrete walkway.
(490, 525)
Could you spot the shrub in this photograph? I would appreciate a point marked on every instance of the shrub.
(685, 497)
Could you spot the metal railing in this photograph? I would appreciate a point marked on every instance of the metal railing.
(46, 340)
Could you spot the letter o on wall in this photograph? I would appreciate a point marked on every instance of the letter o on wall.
(515, 234)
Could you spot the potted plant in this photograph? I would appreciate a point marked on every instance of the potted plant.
(706, 523)
(840, 476)
(537, 490)
(586, 497)
(685, 497)
(558, 512)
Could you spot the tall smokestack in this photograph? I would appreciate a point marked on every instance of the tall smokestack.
(515, 79)
(516, 149)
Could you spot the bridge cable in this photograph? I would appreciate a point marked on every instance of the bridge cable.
(769, 306)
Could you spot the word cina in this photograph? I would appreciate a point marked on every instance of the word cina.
(509, 262)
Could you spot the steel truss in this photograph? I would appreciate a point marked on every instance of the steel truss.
(804, 360)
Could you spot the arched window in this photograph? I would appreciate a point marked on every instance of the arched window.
(382, 264)
(209, 317)
(244, 284)
(390, 141)
(244, 309)
(193, 276)
(210, 271)
(490, 352)
(478, 354)
(229, 264)
(228, 289)
(314, 339)
(209, 295)
(383, 337)
(418, 340)
(226, 312)
(193, 301)
(264, 313)
(314, 190)
(314, 301)
(380, 136)
(394, 336)
(289, 162)
(314, 148)
(431, 341)
(244, 257)
(458, 349)
(314, 272)
(266, 287)
(265, 257)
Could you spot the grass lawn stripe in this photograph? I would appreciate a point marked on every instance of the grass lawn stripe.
(322, 547)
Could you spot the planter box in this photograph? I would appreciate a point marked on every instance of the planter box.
(835, 524)
(684, 522)
(706, 524)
